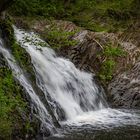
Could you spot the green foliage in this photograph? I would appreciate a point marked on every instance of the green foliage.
(105, 15)
(7, 30)
(19, 53)
(94, 15)
(5, 128)
(110, 55)
(59, 8)
(111, 52)
(58, 38)
(10, 102)
(43, 8)
(135, 7)
(107, 70)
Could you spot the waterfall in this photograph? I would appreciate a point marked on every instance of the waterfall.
(73, 91)
(72, 95)
(41, 112)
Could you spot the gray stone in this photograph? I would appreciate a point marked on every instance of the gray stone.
(125, 88)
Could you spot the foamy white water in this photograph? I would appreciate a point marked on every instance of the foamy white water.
(106, 118)
(73, 90)
(36, 103)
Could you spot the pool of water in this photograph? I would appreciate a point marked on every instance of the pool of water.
(106, 124)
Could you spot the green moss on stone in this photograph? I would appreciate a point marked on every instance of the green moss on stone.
(57, 37)
(12, 99)
(110, 55)
(11, 103)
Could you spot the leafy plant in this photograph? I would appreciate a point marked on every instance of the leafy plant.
(107, 70)
(12, 104)
(10, 99)
(110, 51)
(58, 38)
(97, 15)
(110, 55)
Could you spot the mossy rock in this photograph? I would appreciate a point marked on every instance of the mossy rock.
(14, 106)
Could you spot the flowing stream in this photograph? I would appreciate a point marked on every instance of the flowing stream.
(73, 90)
(76, 101)
(36, 103)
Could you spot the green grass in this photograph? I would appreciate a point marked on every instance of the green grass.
(107, 70)
(111, 52)
(110, 55)
(58, 37)
(12, 107)
(106, 15)
(10, 103)
(96, 15)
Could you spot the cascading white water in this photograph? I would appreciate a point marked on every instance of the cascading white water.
(38, 106)
(73, 90)
(70, 92)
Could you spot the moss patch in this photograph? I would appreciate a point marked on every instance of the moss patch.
(12, 106)
(57, 37)
(109, 16)
(19, 53)
(111, 55)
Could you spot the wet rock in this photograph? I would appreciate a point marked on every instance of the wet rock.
(125, 88)
(85, 55)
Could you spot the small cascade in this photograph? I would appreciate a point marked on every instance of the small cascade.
(70, 92)
(36, 104)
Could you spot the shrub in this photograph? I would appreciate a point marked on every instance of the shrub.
(110, 55)
(10, 102)
(58, 37)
